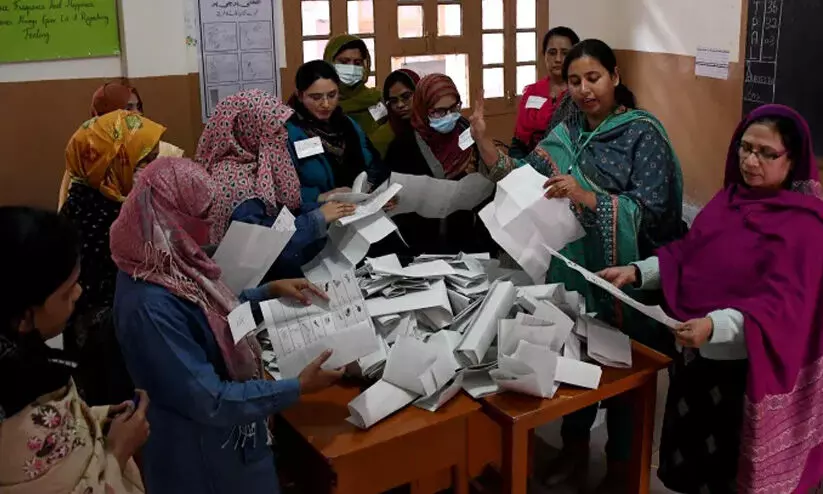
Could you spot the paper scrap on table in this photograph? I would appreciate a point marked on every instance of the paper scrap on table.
(438, 198)
(712, 62)
(655, 312)
(373, 205)
(607, 345)
(354, 240)
(417, 367)
(480, 334)
(529, 370)
(378, 402)
(247, 251)
(478, 383)
(299, 333)
(577, 373)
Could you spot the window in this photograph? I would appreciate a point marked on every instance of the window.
(526, 44)
(455, 66)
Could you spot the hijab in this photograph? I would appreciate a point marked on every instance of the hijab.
(157, 238)
(245, 149)
(105, 151)
(359, 98)
(113, 96)
(408, 78)
(777, 287)
(446, 147)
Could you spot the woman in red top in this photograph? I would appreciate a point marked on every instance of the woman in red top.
(544, 98)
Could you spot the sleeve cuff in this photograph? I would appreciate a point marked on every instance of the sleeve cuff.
(290, 391)
(728, 326)
(319, 223)
(649, 273)
(258, 294)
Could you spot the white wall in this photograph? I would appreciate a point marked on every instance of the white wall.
(661, 26)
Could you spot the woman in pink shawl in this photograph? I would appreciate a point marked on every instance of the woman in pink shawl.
(745, 406)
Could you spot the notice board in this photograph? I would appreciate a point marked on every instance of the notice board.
(57, 29)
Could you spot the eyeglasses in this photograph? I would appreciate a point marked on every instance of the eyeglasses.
(403, 98)
(762, 155)
(442, 112)
(323, 97)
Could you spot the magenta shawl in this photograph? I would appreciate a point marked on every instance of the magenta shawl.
(758, 252)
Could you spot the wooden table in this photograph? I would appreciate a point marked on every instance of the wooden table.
(518, 415)
(327, 454)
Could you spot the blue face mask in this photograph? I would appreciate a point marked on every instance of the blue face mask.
(444, 124)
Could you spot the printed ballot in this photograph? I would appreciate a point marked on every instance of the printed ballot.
(371, 205)
(437, 198)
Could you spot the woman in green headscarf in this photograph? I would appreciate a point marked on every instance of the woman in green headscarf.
(352, 61)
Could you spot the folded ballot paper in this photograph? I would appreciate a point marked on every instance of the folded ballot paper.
(359, 191)
(247, 251)
(483, 328)
(438, 198)
(373, 204)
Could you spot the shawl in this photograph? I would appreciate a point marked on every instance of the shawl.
(446, 147)
(355, 100)
(245, 148)
(105, 151)
(157, 238)
(776, 285)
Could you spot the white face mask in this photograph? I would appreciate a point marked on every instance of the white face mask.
(349, 74)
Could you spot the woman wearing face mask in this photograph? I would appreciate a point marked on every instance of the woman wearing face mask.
(333, 149)
(542, 99)
(433, 148)
(398, 91)
(51, 441)
(102, 158)
(351, 59)
(209, 402)
(617, 167)
(742, 409)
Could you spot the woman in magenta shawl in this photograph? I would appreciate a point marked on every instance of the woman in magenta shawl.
(745, 406)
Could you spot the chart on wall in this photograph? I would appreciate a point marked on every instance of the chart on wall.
(33, 30)
(783, 43)
(237, 49)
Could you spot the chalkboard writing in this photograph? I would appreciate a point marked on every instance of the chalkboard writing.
(51, 29)
(784, 50)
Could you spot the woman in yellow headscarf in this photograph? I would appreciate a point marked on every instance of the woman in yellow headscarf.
(102, 159)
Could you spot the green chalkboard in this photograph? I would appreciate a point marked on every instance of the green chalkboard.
(57, 29)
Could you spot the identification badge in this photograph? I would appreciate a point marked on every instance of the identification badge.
(309, 147)
(535, 102)
(466, 140)
(379, 112)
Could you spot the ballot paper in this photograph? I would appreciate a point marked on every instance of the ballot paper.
(437, 400)
(417, 367)
(570, 302)
(563, 324)
(438, 198)
(330, 263)
(359, 191)
(478, 383)
(247, 251)
(301, 333)
(479, 336)
(436, 297)
(389, 265)
(577, 373)
(511, 332)
(607, 345)
(372, 205)
(378, 402)
(372, 364)
(529, 370)
(354, 240)
(654, 312)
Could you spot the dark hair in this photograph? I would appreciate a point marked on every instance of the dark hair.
(562, 31)
(394, 78)
(311, 72)
(605, 55)
(39, 251)
(789, 133)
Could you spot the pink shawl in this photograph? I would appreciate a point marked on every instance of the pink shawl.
(245, 148)
(157, 238)
(758, 252)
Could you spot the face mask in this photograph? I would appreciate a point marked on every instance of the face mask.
(444, 124)
(349, 74)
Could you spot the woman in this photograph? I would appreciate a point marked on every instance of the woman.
(344, 151)
(617, 167)
(350, 57)
(245, 149)
(111, 97)
(209, 404)
(433, 148)
(50, 439)
(398, 91)
(742, 410)
(102, 158)
(542, 99)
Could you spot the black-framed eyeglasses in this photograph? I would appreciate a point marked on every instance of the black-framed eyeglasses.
(404, 98)
(763, 155)
(442, 112)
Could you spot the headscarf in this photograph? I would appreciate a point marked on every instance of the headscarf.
(113, 96)
(445, 147)
(355, 100)
(157, 238)
(755, 251)
(105, 151)
(408, 78)
(245, 149)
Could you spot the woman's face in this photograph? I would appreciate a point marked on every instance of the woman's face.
(764, 162)
(444, 106)
(352, 56)
(592, 86)
(556, 52)
(133, 103)
(321, 98)
(400, 98)
(50, 318)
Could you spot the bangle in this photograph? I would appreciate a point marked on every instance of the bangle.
(638, 277)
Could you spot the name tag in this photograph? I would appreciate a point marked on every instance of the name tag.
(379, 112)
(241, 322)
(536, 102)
(466, 140)
(309, 147)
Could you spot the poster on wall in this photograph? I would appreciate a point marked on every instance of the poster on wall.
(236, 49)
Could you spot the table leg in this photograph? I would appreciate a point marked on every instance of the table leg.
(515, 459)
(644, 400)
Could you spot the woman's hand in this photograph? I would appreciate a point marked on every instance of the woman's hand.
(129, 430)
(567, 186)
(390, 205)
(324, 197)
(695, 333)
(314, 378)
(620, 276)
(478, 120)
(299, 289)
(333, 211)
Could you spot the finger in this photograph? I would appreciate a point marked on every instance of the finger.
(321, 359)
(144, 399)
(316, 290)
(554, 180)
(296, 292)
(334, 375)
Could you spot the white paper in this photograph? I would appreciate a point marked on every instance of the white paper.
(435, 297)
(437, 400)
(481, 333)
(578, 373)
(654, 312)
(465, 141)
(354, 240)
(308, 147)
(373, 205)
(535, 102)
(510, 333)
(378, 112)
(390, 266)
(300, 333)
(241, 322)
(608, 345)
(530, 370)
(478, 383)
(329, 264)
(374, 360)
(417, 367)
(573, 348)
(438, 198)
(563, 324)
(712, 62)
(378, 402)
(257, 66)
